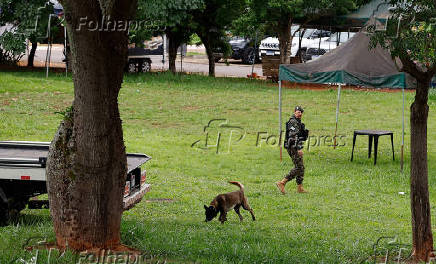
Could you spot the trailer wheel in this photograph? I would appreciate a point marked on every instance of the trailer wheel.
(4, 214)
(145, 66)
(131, 66)
(14, 208)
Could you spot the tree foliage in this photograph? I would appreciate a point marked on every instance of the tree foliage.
(211, 23)
(411, 35)
(247, 24)
(27, 20)
(163, 15)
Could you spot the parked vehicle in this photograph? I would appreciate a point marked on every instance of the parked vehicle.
(138, 59)
(22, 176)
(270, 46)
(242, 49)
(316, 50)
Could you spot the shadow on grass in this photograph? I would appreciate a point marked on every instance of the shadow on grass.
(28, 218)
(232, 242)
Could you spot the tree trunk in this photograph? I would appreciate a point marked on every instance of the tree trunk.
(211, 58)
(31, 57)
(210, 54)
(172, 52)
(419, 195)
(87, 164)
(285, 41)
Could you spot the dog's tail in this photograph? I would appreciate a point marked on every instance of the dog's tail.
(237, 184)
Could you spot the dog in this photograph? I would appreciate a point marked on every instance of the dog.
(226, 202)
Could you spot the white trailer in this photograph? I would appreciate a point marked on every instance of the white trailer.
(22, 176)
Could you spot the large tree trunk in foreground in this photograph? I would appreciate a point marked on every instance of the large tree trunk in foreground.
(31, 57)
(419, 195)
(87, 164)
(285, 40)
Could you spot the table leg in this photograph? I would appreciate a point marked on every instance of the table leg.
(392, 142)
(369, 145)
(354, 142)
(375, 149)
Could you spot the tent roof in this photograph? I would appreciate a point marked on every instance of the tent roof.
(350, 63)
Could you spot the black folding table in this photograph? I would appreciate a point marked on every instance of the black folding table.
(373, 134)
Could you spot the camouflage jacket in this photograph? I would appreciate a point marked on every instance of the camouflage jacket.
(296, 133)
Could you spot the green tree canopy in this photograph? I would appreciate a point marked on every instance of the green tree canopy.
(211, 23)
(28, 20)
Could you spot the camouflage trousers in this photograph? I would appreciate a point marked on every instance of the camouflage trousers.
(298, 171)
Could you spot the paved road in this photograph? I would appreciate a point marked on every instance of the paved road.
(195, 64)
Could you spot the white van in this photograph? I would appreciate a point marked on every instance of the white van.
(319, 48)
(270, 46)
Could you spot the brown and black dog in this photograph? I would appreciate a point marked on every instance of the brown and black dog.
(226, 202)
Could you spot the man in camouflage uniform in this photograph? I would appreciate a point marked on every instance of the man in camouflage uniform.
(296, 134)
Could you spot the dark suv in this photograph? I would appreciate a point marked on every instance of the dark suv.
(313, 53)
(243, 49)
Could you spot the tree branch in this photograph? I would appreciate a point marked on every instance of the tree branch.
(410, 67)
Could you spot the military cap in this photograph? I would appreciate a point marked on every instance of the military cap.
(299, 108)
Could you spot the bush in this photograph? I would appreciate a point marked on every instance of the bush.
(12, 47)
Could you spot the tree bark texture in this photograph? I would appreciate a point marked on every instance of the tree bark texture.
(172, 51)
(87, 164)
(419, 194)
(210, 53)
(31, 57)
(285, 40)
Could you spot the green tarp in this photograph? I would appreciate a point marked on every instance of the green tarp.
(351, 63)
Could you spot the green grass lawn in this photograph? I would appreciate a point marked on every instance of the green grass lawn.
(350, 204)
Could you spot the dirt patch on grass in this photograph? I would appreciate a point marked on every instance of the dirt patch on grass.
(23, 68)
(321, 87)
(191, 107)
(159, 200)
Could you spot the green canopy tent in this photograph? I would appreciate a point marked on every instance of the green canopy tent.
(352, 63)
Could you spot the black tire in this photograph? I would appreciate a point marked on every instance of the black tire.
(145, 66)
(4, 214)
(15, 207)
(217, 59)
(132, 66)
(249, 56)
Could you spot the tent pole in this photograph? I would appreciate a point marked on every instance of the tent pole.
(164, 45)
(402, 140)
(255, 50)
(280, 118)
(48, 55)
(66, 52)
(337, 115)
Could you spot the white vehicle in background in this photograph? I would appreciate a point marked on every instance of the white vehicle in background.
(270, 46)
(316, 50)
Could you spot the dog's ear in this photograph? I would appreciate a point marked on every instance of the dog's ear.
(205, 207)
